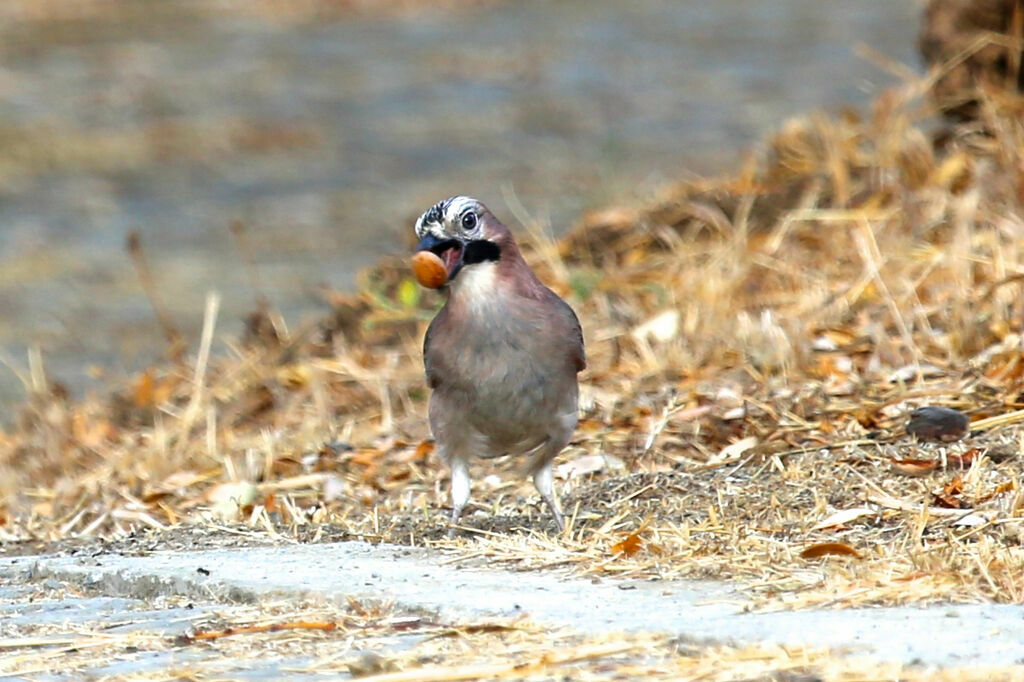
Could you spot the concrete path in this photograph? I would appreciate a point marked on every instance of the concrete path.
(424, 580)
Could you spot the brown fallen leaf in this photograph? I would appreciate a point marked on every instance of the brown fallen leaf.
(143, 391)
(92, 433)
(954, 487)
(1004, 487)
(946, 501)
(949, 495)
(914, 467)
(628, 546)
(255, 629)
(963, 461)
(825, 548)
(366, 457)
(423, 450)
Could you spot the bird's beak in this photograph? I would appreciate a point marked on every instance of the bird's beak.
(450, 251)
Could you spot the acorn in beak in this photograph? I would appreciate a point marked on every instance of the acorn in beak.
(438, 261)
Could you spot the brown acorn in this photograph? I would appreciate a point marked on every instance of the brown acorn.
(429, 269)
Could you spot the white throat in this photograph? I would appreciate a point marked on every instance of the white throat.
(476, 284)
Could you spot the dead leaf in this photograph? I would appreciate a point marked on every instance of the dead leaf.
(826, 548)
(423, 450)
(294, 376)
(148, 392)
(832, 339)
(914, 467)
(91, 433)
(963, 461)
(734, 451)
(143, 391)
(366, 457)
(909, 373)
(1004, 487)
(891, 502)
(588, 464)
(954, 487)
(949, 495)
(628, 546)
(182, 479)
(590, 425)
(842, 517)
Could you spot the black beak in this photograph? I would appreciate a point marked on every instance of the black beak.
(449, 250)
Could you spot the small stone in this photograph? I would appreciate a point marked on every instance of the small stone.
(335, 488)
(227, 500)
(1000, 452)
(936, 423)
(371, 663)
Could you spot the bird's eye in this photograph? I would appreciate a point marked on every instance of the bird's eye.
(469, 222)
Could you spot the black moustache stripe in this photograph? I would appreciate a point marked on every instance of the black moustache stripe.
(480, 251)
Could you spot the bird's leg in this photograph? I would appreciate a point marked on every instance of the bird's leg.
(543, 481)
(460, 490)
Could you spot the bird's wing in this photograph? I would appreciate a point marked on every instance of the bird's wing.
(430, 359)
(571, 329)
(578, 350)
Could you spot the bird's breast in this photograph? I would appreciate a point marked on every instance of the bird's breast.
(502, 373)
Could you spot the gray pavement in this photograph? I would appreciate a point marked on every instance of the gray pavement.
(125, 587)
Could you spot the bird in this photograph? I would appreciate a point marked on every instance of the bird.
(501, 356)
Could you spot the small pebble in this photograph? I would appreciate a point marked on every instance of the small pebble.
(371, 663)
(936, 423)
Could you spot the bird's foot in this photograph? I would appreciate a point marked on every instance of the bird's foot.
(559, 518)
(453, 522)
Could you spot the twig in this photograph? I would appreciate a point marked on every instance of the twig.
(203, 359)
(325, 626)
(495, 670)
(138, 257)
(893, 503)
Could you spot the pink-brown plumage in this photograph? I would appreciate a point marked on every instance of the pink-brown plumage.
(501, 356)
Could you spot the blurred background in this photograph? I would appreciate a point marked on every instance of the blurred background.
(325, 127)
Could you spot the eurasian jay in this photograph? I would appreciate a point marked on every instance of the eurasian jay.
(501, 356)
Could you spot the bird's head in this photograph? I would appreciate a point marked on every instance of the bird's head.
(462, 232)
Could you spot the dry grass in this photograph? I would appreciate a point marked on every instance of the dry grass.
(755, 345)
